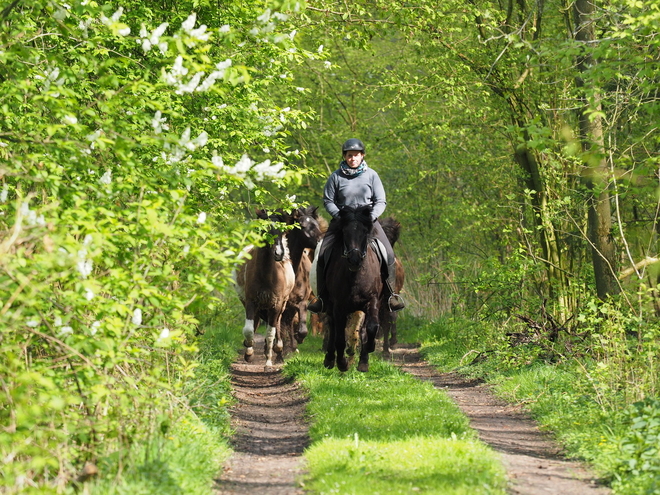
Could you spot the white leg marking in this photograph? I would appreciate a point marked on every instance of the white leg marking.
(248, 331)
(270, 338)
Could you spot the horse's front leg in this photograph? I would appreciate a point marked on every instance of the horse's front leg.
(301, 330)
(340, 341)
(329, 342)
(369, 344)
(373, 325)
(271, 333)
(251, 322)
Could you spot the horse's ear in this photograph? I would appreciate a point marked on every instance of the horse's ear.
(262, 214)
(314, 211)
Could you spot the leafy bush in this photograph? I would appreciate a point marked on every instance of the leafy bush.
(129, 146)
(639, 448)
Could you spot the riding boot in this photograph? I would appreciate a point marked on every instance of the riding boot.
(395, 301)
(317, 305)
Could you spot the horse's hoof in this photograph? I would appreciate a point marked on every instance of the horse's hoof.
(247, 343)
(329, 362)
(248, 357)
(363, 367)
(342, 364)
(269, 365)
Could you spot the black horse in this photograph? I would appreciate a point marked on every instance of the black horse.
(354, 284)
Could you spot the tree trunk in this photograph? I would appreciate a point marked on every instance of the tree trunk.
(596, 176)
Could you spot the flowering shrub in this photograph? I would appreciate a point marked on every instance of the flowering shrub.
(117, 210)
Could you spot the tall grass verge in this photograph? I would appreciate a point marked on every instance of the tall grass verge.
(386, 432)
(188, 442)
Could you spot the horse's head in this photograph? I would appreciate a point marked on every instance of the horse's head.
(307, 220)
(356, 226)
(275, 234)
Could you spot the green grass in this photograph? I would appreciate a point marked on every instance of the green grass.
(387, 432)
(189, 444)
(184, 461)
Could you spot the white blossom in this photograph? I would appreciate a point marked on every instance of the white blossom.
(158, 121)
(70, 119)
(224, 28)
(95, 327)
(327, 64)
(189, 23)
(137, 317)
(178, 71)
(195, 35)
(320, 49)
(33, 323)
(265, 17)
(89, 294)
(124, 31)
(292, 34)
(164, 334)
(4, 193)
(58, 321)
(106, 178)
(201, 218)
(85, 268)
(191, 85)
(94, 135)
(115, 17)
(243, 165)
(66, 330)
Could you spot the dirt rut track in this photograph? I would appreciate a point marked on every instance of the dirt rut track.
(271, 433)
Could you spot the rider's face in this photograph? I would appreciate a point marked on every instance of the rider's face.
(353, 158)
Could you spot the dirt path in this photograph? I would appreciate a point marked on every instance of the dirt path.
(532, 460)
(271, 434)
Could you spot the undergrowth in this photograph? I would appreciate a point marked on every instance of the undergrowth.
(188, 444)
(584, 392)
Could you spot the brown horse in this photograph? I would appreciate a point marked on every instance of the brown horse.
(305, 235)
(387, 318)
(354, 284)
(264, 283)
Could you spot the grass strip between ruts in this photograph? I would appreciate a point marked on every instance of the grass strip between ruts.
(386, 432)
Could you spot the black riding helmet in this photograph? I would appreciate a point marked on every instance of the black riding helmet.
(352, 145)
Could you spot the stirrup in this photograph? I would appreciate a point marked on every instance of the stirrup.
(316, 306)
(396, 303)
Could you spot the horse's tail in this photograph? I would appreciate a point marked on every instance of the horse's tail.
(392, 229)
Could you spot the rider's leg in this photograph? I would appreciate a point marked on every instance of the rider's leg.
(395, 301)
(316, 306)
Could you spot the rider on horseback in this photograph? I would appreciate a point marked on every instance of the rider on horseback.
(355, 184)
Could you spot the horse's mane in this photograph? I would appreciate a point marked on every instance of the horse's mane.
(347, 214)
(392, 229)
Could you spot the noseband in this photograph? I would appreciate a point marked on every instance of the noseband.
(348, 252)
